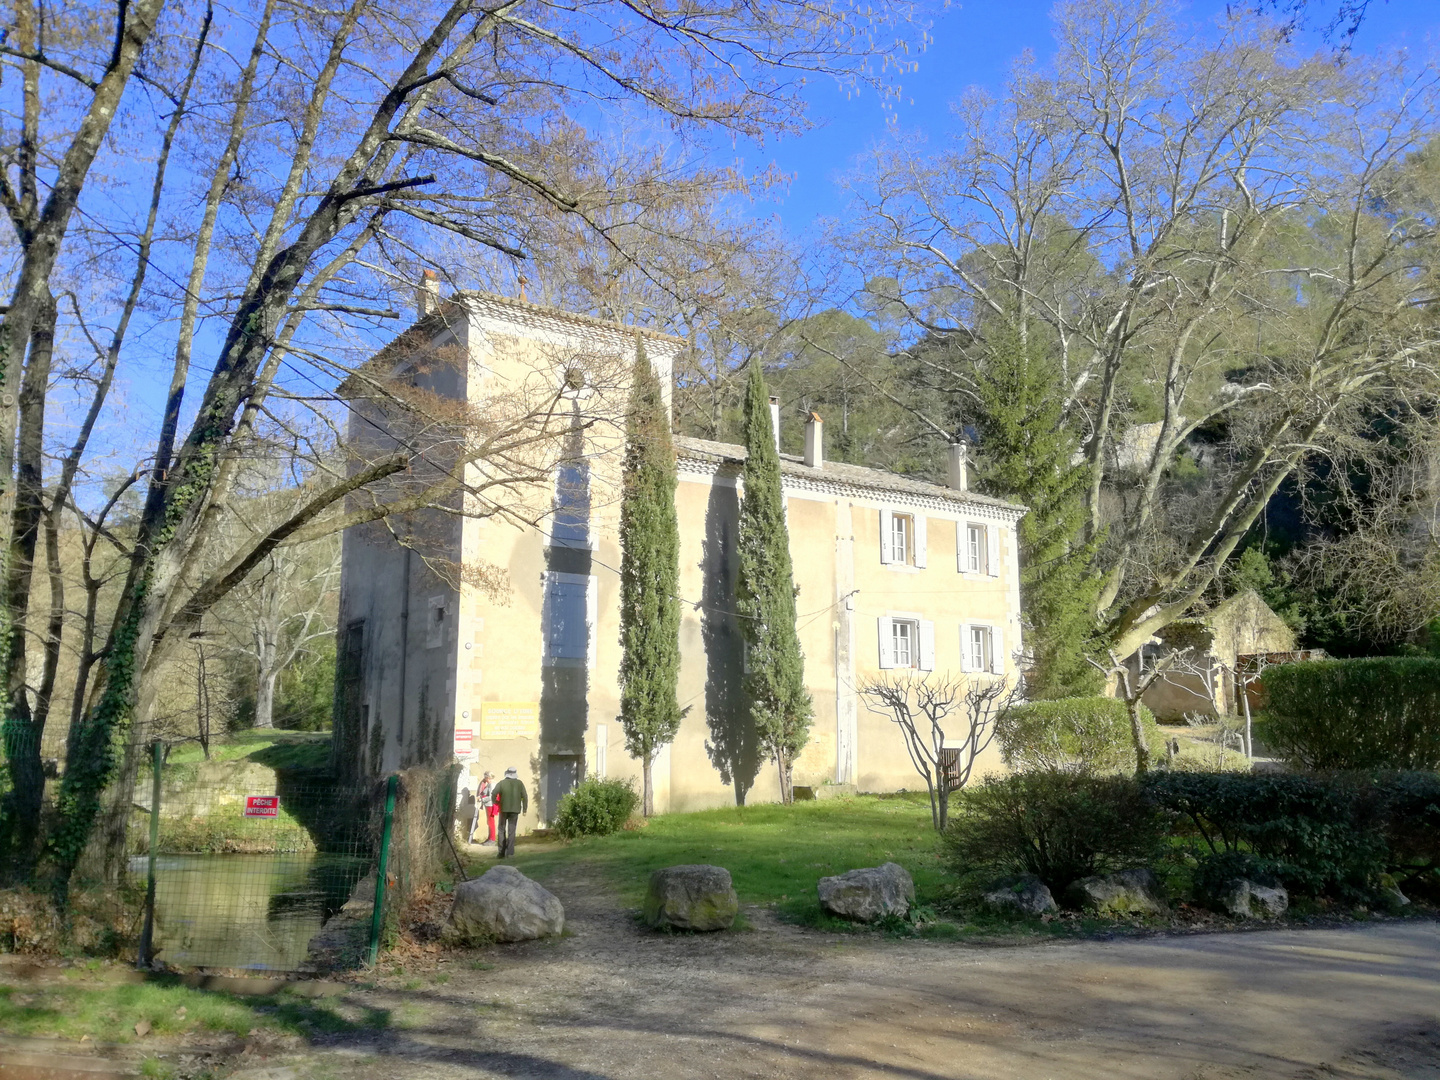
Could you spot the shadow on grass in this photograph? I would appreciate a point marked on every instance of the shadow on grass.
(110, 1013)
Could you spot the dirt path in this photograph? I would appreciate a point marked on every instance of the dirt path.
(613, 1002)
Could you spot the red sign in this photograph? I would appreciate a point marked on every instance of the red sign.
(464, 740)
(262, 805)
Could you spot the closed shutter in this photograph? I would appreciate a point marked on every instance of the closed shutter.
(919, 539)
(961, 536)
(927, 646)
(569, 633)
(964, 645)
(997, 651)
(992, 553)
(886, 630)
(887, 530)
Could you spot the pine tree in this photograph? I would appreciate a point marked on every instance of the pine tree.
(649, 577)
(775, 680)
(1026, 454)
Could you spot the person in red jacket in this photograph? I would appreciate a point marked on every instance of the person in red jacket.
(488, 806)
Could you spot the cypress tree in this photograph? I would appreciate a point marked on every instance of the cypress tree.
(649, 577)
(780, 706)
(1027, 454)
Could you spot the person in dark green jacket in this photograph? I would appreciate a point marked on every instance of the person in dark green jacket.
(513, 800)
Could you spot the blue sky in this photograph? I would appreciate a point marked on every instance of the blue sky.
(974, 45)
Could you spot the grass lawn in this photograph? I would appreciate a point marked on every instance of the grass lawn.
(276, 748)
(82, 1006)
(775, 854)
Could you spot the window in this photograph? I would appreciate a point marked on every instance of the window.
(904, 633)
(571, 525)
(435, 625)
(981, 649)
(901, 527)
(973, 549)
(906, 641)
(569, 614)
(902, 539)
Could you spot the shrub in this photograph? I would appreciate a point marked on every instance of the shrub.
(1312, 832)
(1059, 826)
(1404, 807)
(596, 808)
(1380, 713)
(1089, 733)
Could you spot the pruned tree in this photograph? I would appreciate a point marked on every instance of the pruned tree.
(650, 713)
(1187, 644)
(947, 722)
(780, 706)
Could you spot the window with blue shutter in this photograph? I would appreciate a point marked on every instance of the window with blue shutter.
(571, 526)
(567, 617)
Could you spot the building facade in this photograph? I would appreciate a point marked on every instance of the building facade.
(510, 657)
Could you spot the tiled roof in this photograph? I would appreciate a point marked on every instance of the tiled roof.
(839, 472)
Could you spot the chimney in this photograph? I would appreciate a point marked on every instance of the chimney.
(815, 442)
(775, 421)
(427, 294)
(959, 466)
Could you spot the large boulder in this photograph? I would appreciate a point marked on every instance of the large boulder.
(1246, 899)
(1130, 892)
(504, 905)
(697, 897)
(1024, 894)
(868, 894)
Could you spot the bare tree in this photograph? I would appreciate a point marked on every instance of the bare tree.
(278, 613)
(317, 157)
(1203, 224)
(947, 722)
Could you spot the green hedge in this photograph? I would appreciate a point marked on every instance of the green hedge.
(1320, 834)
(596, 808)
(1059, 826)
(1343, 835)
(1380, 713)
(1089, 733)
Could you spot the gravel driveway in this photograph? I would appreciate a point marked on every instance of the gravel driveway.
(613, 1002)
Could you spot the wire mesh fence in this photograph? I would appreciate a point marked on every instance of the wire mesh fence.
(247, 869)
(262, 861)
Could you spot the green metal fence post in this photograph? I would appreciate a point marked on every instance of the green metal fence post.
(377, 917)
(147, 935)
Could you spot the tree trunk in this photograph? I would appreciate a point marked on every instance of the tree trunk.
(647, 796)
(1137, 733)
(21, 812)
(265, 699)
(787, 779)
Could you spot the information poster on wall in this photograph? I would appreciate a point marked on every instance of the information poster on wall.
(510, 720)
(464, 742)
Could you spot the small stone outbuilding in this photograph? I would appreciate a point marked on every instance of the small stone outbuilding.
(1242, 626)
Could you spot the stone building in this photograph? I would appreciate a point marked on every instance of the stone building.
(1241, 626)
(437, 658)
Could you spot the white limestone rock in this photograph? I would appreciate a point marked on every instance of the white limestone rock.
(1024, 894)
(504, 905)
(694, 897)
(1130, 892)
(1246, 899)
(868, 894)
